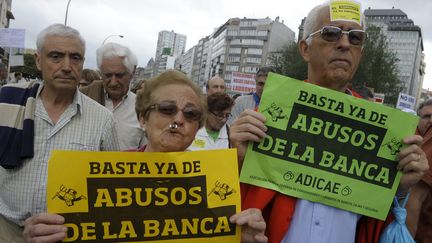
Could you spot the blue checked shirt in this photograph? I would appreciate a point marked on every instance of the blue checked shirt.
(85, 125)
(318, 223)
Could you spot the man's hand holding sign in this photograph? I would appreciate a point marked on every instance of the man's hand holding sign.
(412, 163)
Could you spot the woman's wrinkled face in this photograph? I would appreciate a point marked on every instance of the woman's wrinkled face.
(172, 104)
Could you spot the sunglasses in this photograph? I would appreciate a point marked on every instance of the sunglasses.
(333, 34)
(221, 116)
(170, 109)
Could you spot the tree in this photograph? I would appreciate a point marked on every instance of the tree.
(29, 70)
(289, 62)
(376, 70)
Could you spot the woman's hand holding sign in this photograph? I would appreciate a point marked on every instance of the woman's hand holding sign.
(412, 162)
(253, 225)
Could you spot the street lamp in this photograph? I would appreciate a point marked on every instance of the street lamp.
(121, 36)
(67, 10)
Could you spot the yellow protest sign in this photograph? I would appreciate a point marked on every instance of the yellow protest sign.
(145, 197)
(345, 10)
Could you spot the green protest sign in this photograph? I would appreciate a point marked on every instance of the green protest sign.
(328, 147)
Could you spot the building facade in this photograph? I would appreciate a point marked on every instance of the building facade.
(170, 46)
(5, 17)
(239, 45)
(405, 39)
(185, 61)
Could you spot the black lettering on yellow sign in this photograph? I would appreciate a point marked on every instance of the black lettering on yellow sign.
(191, 167)
(143, 168)
(166, 168)
(118, 168)
(171, 167)
(143, 197)
(150, 228)
(354, 8)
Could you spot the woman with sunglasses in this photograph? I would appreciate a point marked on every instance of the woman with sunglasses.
(171, 109)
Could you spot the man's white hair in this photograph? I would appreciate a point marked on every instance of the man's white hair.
(57, 30)
(116, 50)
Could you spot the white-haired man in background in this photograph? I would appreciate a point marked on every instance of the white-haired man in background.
(117, 65)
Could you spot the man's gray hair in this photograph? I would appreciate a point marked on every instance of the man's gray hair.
(116, 50)
(57, 30)
(311, 22)
(423, 104)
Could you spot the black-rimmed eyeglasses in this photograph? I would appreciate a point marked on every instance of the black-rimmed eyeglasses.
(221, 116)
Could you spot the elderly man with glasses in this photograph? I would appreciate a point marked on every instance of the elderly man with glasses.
(117, 65)
(332, 46)
(214, 134)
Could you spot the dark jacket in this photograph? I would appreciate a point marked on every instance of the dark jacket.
(95, 90)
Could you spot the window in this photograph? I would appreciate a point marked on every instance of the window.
(233, 59)
(255, 60)
(254, 51)
(262, 33)
(253, 42)
(232, 32)
(231, 68)
(234, 50)
(250, 69)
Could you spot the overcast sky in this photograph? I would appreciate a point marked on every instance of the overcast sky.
(141, 20)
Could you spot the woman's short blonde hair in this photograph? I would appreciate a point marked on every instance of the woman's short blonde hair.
(145, 99)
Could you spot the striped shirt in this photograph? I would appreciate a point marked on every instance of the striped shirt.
(240, 104)
(84, 125)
